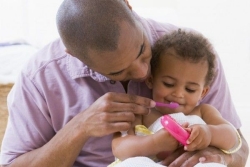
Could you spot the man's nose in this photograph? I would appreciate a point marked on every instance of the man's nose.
(141, 70)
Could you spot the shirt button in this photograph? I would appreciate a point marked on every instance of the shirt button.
(112, 82)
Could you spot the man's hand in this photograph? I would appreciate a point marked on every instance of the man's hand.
(189, 159)
(113, 112)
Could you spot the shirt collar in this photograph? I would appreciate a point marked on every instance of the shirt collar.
(78, 69)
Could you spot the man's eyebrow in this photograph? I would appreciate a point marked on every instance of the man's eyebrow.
(140, 53)
(141, 49)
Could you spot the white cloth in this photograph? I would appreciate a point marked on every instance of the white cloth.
(147, 162)
(180, 118)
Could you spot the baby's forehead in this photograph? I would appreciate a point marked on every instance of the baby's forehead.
(182, 55)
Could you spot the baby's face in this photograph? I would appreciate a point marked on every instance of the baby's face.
(180, 81)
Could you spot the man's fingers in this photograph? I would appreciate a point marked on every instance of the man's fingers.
(118, 102)
(119, 116)
(213, 158)
(120, 126)
(130, 107)
(110, 128)
(172, 157)
(184, 160)
(126, 98)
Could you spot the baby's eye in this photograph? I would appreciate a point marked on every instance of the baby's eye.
(168, 84)
(190, 90)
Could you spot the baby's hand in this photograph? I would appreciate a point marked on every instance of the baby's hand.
(185, 125)
(200, 137)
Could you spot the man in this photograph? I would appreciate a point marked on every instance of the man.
(79, 90)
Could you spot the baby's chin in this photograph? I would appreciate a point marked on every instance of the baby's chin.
(165, 111)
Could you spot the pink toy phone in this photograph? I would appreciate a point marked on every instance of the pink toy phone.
(175, 129)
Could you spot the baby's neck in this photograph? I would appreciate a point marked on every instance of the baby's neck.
(149, 119)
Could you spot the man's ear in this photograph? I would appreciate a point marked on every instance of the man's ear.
(204, 92)
(149, 82)
(67, 51)
(130, 7)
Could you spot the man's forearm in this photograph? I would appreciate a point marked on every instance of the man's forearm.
(62, 150)
(239, 158)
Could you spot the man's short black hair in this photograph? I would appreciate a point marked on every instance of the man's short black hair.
(92, 24)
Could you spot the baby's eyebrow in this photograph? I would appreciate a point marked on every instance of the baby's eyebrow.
(193, 83)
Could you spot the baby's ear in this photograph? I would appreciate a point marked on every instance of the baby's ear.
(149, 82)
(204, 92)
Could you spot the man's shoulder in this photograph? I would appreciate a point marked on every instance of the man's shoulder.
(155, 29)
(51, 55)
(53, 50)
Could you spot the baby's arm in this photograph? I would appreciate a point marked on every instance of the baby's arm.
(200, 137)
(132, 145)
(218, 132)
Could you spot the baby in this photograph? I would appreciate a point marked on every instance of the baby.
(183, 67)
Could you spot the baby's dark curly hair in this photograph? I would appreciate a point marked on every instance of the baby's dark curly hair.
(190, 46)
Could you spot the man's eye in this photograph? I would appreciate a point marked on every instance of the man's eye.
(116, 74)
(143, 49)
(190, 90)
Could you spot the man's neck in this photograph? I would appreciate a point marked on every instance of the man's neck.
(125, 85)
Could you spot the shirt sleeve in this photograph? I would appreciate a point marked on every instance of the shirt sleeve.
(29, 126)
(219, 96)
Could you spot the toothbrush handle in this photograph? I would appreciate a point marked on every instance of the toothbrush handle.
(175, 129)
(170, 105)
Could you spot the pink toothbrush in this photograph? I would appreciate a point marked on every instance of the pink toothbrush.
(175, 129)
(170, 105)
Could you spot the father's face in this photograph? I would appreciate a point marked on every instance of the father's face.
(131, 60)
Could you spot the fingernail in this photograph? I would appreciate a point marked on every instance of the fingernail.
(152, 104)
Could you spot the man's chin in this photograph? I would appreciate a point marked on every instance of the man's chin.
(136, 79)
(140, 80)
(143, 79)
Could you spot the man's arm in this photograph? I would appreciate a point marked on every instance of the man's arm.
(110, 113)
(239, 158)
(212, 154)
(61, 150)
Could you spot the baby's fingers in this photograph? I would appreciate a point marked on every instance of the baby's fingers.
(192, 137)
(185, 125)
